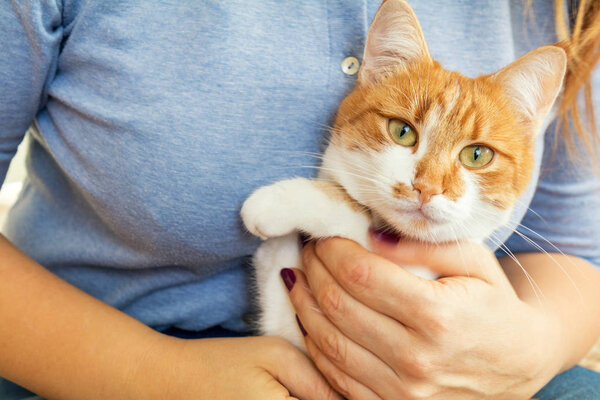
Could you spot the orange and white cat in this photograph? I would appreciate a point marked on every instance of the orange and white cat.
(427, 153)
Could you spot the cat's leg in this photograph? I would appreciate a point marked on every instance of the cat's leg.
(277, 317)
(278, 212)
(317, 208)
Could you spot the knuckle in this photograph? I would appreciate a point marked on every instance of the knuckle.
(439, 320)
(330, 301)
(418, 391)
(281, 349)
(356, 272)
(443, 321)
(333, 347)
(328, 393)
(340, 382)
(416, 364)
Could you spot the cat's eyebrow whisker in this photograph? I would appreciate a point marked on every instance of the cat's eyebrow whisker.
(395, 110)
(397, 90)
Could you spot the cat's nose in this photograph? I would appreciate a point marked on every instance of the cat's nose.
(426, 190)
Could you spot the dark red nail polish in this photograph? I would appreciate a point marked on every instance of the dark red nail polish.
(289, 278)
(385, 237)
(301, 327)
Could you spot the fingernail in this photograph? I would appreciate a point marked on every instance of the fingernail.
(385, 237)
(289, 278)
(300, 326)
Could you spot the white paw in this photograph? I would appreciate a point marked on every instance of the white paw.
(267, 213)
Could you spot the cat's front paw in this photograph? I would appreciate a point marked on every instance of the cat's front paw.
(267, 213)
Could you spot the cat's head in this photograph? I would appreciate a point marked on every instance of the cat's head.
(437, 155)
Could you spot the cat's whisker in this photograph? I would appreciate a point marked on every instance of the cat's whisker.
(542, 250)
(460, 250)
(377, 178)
(537, 214)
(555, 261)
(534, 286)
(523, 204)
(558, 250)
(501, 246)
(444, 110)
(353, 174)
(465, 228)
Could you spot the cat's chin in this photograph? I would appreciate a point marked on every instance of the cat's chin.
(418, 226)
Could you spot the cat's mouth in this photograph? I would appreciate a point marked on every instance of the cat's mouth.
(415, 223)
(420, 215)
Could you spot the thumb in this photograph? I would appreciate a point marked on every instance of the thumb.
(464, 258)
(301, 378)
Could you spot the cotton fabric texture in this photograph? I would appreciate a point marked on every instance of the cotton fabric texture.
(153, 121)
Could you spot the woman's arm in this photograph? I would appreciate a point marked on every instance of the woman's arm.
(64, 344)
(569, 287)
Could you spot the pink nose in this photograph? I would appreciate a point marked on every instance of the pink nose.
(426, 190)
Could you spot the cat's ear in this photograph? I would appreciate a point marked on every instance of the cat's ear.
(395, 38)
(533, 82)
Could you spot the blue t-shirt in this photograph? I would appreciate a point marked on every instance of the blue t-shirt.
(152, 121)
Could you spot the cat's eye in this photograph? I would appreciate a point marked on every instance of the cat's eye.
(402, 133)
(476, 156)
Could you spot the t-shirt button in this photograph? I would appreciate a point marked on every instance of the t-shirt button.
(350, 65)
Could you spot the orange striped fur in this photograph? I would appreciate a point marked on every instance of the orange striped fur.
(453, 111)
(427, 181)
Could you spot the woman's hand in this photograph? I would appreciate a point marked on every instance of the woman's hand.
(65, 344)
(378, 332)
(261, 368)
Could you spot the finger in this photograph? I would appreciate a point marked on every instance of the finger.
(348, 356)
(303, 380)
(447, 259)
(344, 384)
(380, 334)
(374, 281)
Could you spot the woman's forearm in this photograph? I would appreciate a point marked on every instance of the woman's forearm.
(570, 291)
(62, 343)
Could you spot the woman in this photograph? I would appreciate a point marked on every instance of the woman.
(153, 121)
